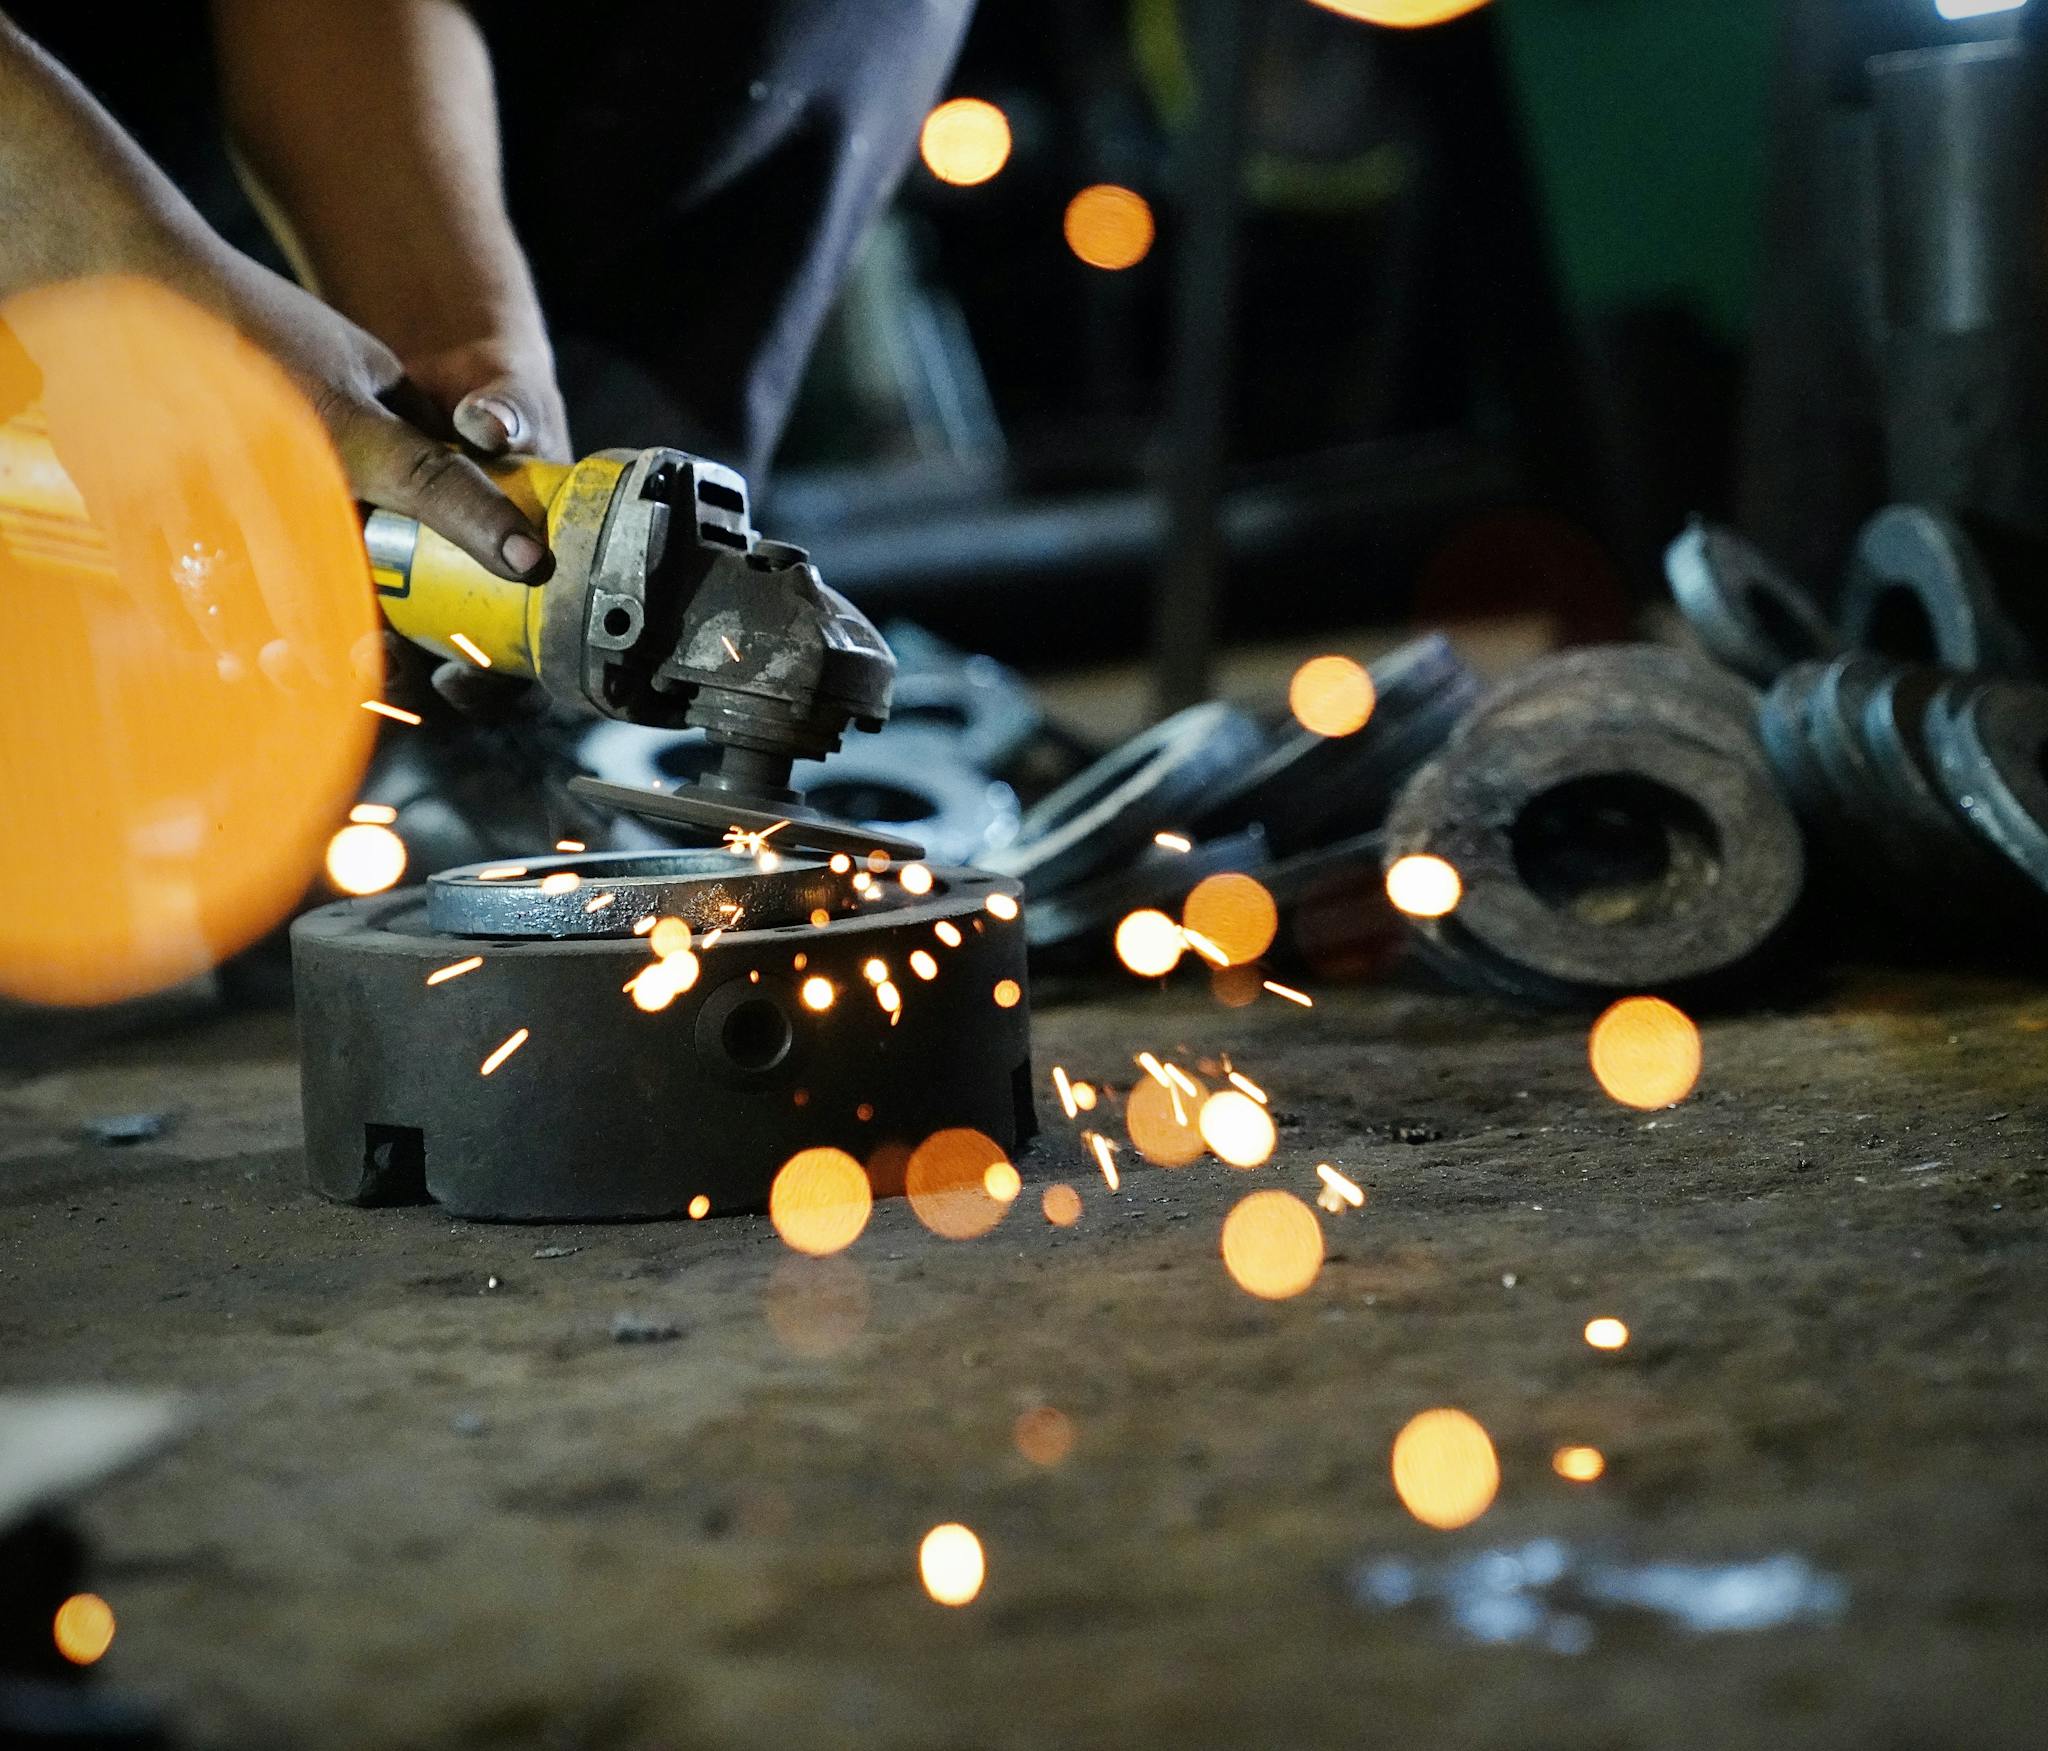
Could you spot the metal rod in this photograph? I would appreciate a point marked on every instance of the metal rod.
(1188, 596)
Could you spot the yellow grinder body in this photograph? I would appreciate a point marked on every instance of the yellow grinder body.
(431, 591)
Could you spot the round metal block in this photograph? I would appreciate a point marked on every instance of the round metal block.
(1743, 608)
(1153, 784)
(1918, 591)
(1894, 736)
(1309, 788)
(1863, 802)
(1990, 745)
(606, 1112)
(1608, 860)
(615, 891)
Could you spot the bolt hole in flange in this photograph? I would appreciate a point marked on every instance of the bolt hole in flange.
(1614, 848)
(1790, 635)
(757, 1034)
(1900, 627)
(870, 800)
(617, 622)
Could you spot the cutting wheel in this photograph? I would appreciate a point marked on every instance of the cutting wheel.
(713, 813)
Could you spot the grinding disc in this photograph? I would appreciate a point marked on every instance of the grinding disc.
(1743, 608)
(711, 813)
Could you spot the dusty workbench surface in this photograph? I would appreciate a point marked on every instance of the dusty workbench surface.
(417, 1510)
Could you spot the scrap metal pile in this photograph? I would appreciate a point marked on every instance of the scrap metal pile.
(1618, 818)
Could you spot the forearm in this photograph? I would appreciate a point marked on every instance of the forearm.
(371, 128)
(79, 195)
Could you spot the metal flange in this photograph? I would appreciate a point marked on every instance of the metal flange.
(1990, 745)
(1918, 590)
(1154, 783)
(1308, 789)
(1744, 609)
(615, 893)
(601, 1111)
(1606, 860)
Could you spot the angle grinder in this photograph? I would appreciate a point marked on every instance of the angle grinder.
(668, 609)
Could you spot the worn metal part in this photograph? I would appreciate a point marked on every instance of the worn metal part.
(615, 891)
(1918, 591)
(1744, 609)
(709, 814)
(1152, 784)
(1081, 920)
(1621, 684)
(1602, 858)
(915, 781)
(1990, 746)
(1309, 788)
(987, 708)
(1781, 727)
(604, 1112)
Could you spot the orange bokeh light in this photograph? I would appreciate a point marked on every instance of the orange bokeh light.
(1402, 14)
(1237, 1129)
(820, 1201)
(1149, 943)
(1606, 1333)
(965, 141)
(1423, 886)
(1445, 1470)
(946, 1181)
(1578, 1464)
(1008, 993)
(1164, 1134)
(192, 636)
(365, 857)
(1333, 696)
(1062, 1205)
(1110, 227)
(83, 1628)
(951, 1563)
(1044, 1436)
(1645, 1052)
(1272, 1245)
(1235, 913)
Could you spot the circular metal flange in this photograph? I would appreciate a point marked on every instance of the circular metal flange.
(914, 780)
(1745, 610)
(1085, 916)
(1990, 745)
(1610, 860)
(710, 813)
(1310, 788)
(1781, 728)
(1112, 810)
(602, 1112)
(615, 891)
(1861, 802)
(1918, 590)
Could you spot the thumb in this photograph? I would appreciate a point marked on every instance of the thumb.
(495, 418)
(393, 464)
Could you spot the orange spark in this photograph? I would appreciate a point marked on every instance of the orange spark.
(1001, 906)
(373, 814)
(396, 713)
(1272, 1244)
(1105, 1155)
(947, 932)
(1239, 1080)
(469, 648)
(1289, 992)
(1173, 841)
(454, 970)
(570, 845)
(1445, 1469)
(1065, 1090)
(505, 1051)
